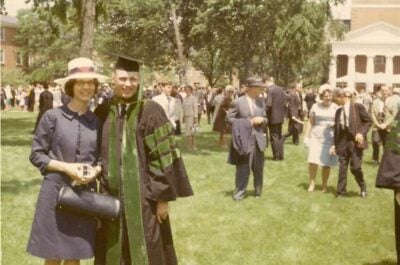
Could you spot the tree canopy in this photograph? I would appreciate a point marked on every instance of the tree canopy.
(284, 39)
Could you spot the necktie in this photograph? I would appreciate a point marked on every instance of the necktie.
(122, 110)
(344, 118)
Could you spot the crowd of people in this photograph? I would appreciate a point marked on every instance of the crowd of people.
(146, 167)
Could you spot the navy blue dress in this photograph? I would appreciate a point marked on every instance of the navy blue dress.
(65, 136)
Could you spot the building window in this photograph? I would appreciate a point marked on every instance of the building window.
(2, 56)
(396, 65)
(379, 64)
(3, 34)
(19, 58)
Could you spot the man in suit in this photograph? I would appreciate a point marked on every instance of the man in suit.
(247, 117)
(381, 121)
(45, 103)
(209, 97)
(276, 100)
(352, 123)
(295, 108)
(167, 102)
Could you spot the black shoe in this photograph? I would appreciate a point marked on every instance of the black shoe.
(238, 195)
(341, 195)
(363, 194)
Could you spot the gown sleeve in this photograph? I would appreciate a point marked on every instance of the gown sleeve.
(167, 178)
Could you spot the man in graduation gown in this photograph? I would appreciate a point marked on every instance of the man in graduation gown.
(141, 165)
(388, 176)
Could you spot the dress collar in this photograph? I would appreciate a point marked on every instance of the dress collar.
(69, 114)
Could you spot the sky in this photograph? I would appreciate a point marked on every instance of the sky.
(12, 6)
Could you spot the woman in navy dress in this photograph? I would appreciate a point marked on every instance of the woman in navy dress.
(65, 140)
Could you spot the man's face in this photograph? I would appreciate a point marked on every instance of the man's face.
(385, 91)
(167, 89)
(254, 92)
(126, 83)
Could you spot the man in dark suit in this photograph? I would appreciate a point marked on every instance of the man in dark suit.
(276, 100)
(209, 97)
(352, 123)
(295, 113)
(248, 118)
(310, 98)
(45, 103)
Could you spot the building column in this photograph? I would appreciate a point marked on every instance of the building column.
(351, 70)
(370, 73)
(333, 71)
(389, 70)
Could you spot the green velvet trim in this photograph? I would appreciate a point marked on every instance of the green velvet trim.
(113, 233)
(164, 152)
(132, 190)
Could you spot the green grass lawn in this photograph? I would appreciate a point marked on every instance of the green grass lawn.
(287, 225)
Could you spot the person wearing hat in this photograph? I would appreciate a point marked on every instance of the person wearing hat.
(142, 166)
(248, 119)
(65, 141)
(352, 123)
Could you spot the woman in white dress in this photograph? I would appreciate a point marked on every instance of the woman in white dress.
(190, 111)
(319, 138)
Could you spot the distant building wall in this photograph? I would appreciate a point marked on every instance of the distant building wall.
(365, 12)
(9, 56)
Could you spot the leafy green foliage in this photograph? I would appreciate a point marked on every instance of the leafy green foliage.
(50, 42)
(12, 76)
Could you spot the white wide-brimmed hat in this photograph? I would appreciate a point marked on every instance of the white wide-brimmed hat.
(81, 68)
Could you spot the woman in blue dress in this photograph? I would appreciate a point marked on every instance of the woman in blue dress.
(319, 138)
(66, 139)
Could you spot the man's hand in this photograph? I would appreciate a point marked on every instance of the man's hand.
(359, 138)
(162, 211)
(257, 121)
(332, 150)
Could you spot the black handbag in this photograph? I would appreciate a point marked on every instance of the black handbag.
(88, 203)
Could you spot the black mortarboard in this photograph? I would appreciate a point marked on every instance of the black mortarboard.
(127, 64)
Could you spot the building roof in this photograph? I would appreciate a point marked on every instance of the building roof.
(9, 21)
(379, 32)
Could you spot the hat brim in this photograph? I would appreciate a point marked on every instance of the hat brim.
(257, 86)
(99, 77)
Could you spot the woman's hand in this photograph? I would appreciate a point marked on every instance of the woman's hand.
(332, 150)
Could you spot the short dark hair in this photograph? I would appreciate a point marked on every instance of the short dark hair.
(69, 87)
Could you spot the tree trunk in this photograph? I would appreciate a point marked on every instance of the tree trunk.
(88, 20)
(182, 61)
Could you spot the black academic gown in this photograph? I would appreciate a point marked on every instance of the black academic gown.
(164, 185)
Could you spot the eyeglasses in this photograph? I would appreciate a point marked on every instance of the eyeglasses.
(85, 82)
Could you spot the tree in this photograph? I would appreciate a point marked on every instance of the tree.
(85, 12)
(50, 42)
(140, 29)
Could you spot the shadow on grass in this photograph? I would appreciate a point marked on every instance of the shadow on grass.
(14, 131)
(15, 186)
(383, 262)
(330, 190)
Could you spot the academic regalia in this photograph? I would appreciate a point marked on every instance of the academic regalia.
(139, 148)
(388, 176)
